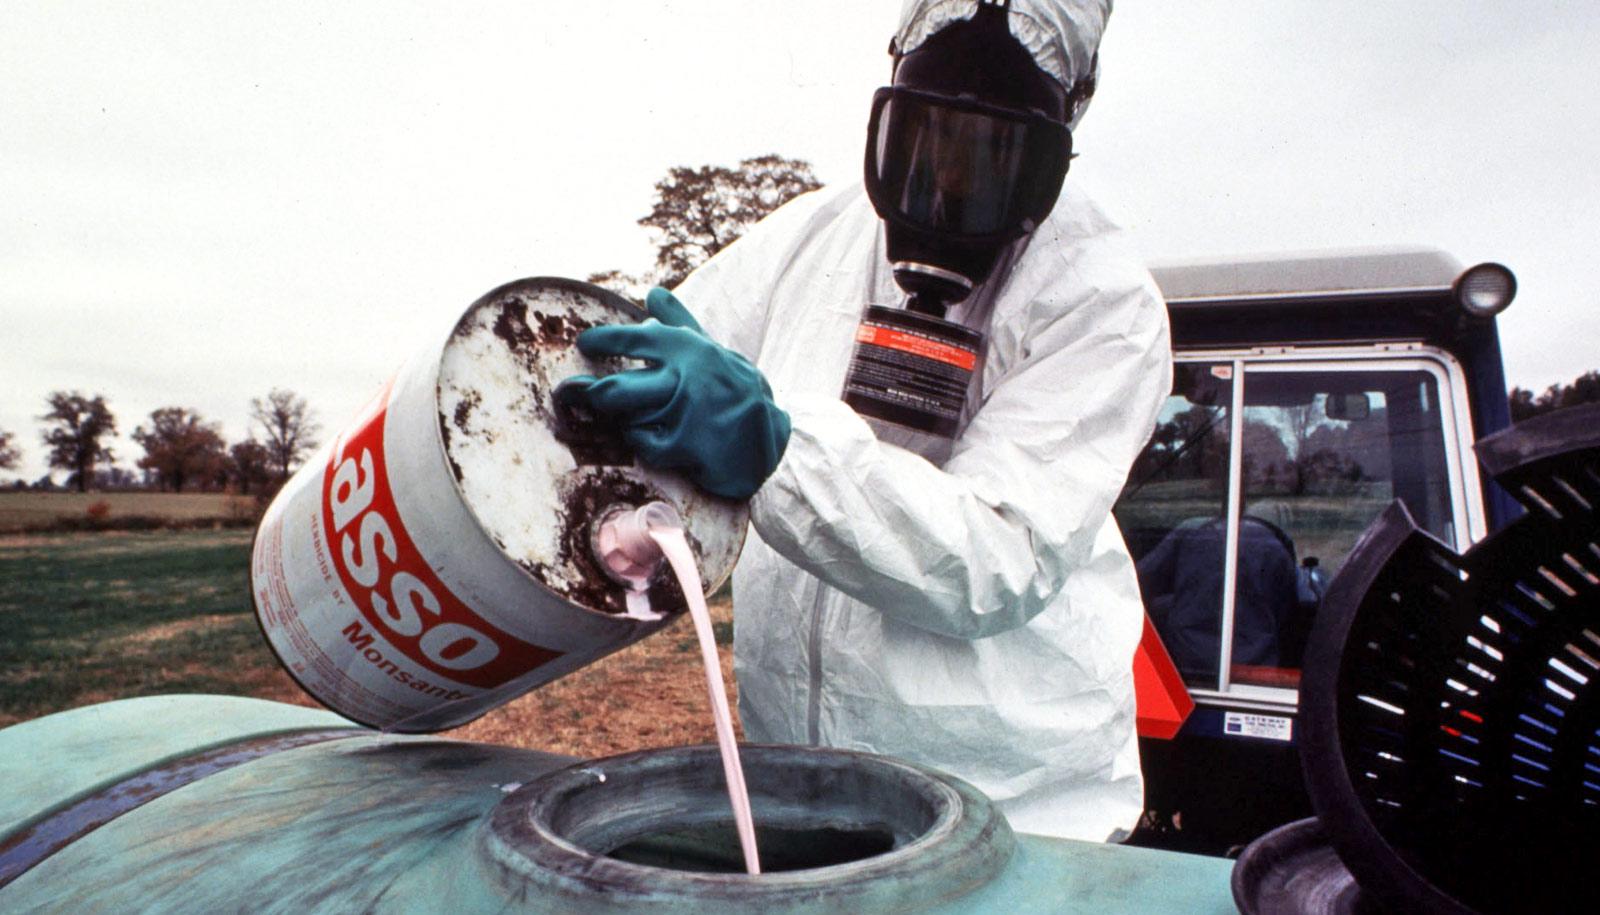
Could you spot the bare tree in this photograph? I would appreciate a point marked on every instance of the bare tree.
(288, 427)
(180, 446)
(78, 423)
(249, 464)
(1301, 421)
(700, 211)
(10, 457)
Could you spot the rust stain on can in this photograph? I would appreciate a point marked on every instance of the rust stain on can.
(533, 338)
(556, 332)
(463, 415)
(464, 409)
(586, 501)
(605, 475)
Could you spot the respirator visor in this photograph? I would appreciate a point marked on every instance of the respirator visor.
(963, 169)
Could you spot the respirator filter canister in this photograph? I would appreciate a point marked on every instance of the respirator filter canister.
(912, 369)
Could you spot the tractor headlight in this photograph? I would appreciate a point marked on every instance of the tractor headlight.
(1485, 290)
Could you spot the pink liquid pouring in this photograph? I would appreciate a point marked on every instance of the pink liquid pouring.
(677, 551)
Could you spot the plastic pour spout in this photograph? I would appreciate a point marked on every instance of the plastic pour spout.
(629, 555)
(631, 544)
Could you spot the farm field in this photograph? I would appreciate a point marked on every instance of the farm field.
(33, 511)
(89, 617)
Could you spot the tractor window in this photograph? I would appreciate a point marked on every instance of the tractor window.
(1323, 453)
(1173, 516)
(1322, 450)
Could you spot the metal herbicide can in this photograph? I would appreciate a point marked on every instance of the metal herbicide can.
(436, 559)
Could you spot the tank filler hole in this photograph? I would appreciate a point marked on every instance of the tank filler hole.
(714, 848)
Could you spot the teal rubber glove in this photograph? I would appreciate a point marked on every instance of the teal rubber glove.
(698, 407)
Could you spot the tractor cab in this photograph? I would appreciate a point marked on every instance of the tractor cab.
(1309, 392)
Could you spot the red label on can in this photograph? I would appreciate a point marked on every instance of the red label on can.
(391, 583)
(899, 340)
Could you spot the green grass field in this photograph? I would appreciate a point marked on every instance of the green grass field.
(94, 616)
(89, 617)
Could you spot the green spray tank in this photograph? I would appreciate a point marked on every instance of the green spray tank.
(215, 804)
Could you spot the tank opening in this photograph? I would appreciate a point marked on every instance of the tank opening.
(847, 831)
(713, 848)
(812, 809)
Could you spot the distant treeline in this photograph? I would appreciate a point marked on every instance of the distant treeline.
(1584, 389)
(182, 450)
(697, 212)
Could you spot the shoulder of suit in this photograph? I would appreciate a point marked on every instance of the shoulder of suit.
(807, 213)
(1080, 246)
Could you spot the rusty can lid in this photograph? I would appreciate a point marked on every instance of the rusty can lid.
(536, 473)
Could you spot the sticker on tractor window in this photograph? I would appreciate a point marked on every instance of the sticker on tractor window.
(1223, 372)
(1268, 727)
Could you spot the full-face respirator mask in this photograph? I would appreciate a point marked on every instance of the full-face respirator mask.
(966, 154)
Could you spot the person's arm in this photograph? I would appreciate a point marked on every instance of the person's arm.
(983, 544)
(1156, 571)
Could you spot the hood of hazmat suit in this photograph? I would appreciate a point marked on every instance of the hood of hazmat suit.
(1062, 35)
(967, 149)
(967, 604)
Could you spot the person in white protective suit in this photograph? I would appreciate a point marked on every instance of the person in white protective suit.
(962, 601)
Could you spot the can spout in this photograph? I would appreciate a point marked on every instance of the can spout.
(623, 545)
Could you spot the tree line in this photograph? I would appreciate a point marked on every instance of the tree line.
(1583, 389)
(698, 211)
(181, 448)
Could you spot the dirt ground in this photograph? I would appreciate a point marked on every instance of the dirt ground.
(651, 694)
(90, 617)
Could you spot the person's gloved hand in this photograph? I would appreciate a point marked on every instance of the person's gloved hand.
(698, 407)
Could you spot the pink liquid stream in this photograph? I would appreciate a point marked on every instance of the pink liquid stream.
(676, 549)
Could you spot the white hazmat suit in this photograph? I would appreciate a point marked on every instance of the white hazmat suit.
(980, 616)
(968, 605)
(1062, 35)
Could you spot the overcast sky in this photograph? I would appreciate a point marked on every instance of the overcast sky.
(201, 201)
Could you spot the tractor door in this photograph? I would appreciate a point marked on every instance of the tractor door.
(1263, 470)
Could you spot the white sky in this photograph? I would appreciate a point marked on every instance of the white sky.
(200, 201)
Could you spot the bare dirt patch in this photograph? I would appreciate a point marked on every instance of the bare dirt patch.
(93, 617)
(652, 694)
